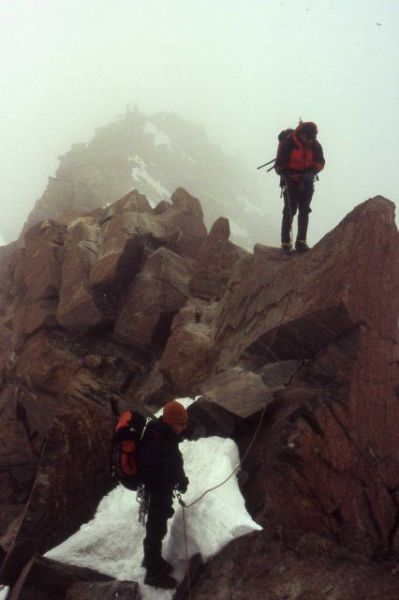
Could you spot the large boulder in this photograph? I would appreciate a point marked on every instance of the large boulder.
(45, 579)
(152, 390)
(185, 213)
(189, 352)
(298, 567)
(133, 201)
(96, 590)
(316, 298)
(46, 363)
(34, 278)
(122, 240)
(77, 310)
(214, 262)
(245, 392)
(328, 461)
(154, 297)
(129, 226)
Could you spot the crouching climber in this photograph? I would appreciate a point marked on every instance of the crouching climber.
(162, 470)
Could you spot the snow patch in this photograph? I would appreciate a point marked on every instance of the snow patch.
(81, 220)
(140, 174)
(3, 592)
(112, 542)
(160, 138)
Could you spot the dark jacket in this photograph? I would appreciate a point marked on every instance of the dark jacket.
(160, 460)
(295, 157)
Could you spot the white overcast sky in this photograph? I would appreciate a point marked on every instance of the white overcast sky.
(244, 68)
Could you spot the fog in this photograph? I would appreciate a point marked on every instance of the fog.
(245, 70)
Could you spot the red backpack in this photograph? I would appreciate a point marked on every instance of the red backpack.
(127, 435)
(283, 135)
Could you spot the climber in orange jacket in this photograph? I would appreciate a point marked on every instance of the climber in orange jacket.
(299, 159)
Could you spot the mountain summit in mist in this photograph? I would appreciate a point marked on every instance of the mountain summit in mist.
(154, 155)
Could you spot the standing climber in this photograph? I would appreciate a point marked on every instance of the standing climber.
(162, 471)
(299, 159)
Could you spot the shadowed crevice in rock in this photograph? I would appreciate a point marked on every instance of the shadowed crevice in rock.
(162, 329)
(303, 338)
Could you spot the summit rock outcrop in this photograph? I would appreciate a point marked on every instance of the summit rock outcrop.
(154, 154)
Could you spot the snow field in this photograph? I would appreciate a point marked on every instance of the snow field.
(112, 541)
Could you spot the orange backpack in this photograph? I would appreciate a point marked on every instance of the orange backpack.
(128, 432)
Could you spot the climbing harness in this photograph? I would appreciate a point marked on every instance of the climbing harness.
(188, 572)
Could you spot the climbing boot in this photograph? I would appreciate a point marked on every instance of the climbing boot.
(301, 246)
(165, 566)
(286, 247)
(161, 580)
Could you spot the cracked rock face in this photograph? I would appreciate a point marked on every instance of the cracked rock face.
(60, 498)
(327, 459)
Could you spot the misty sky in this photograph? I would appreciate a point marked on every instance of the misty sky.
(244, 68)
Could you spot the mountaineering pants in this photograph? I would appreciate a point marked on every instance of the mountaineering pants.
(159, 511)
(296, 197)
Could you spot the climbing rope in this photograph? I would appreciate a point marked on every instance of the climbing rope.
(143, 500)
(188, 572)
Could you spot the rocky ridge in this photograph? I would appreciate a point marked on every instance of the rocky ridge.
(141, 305)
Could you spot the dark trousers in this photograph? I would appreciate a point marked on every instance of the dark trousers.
(159, 511)
(296, 197)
